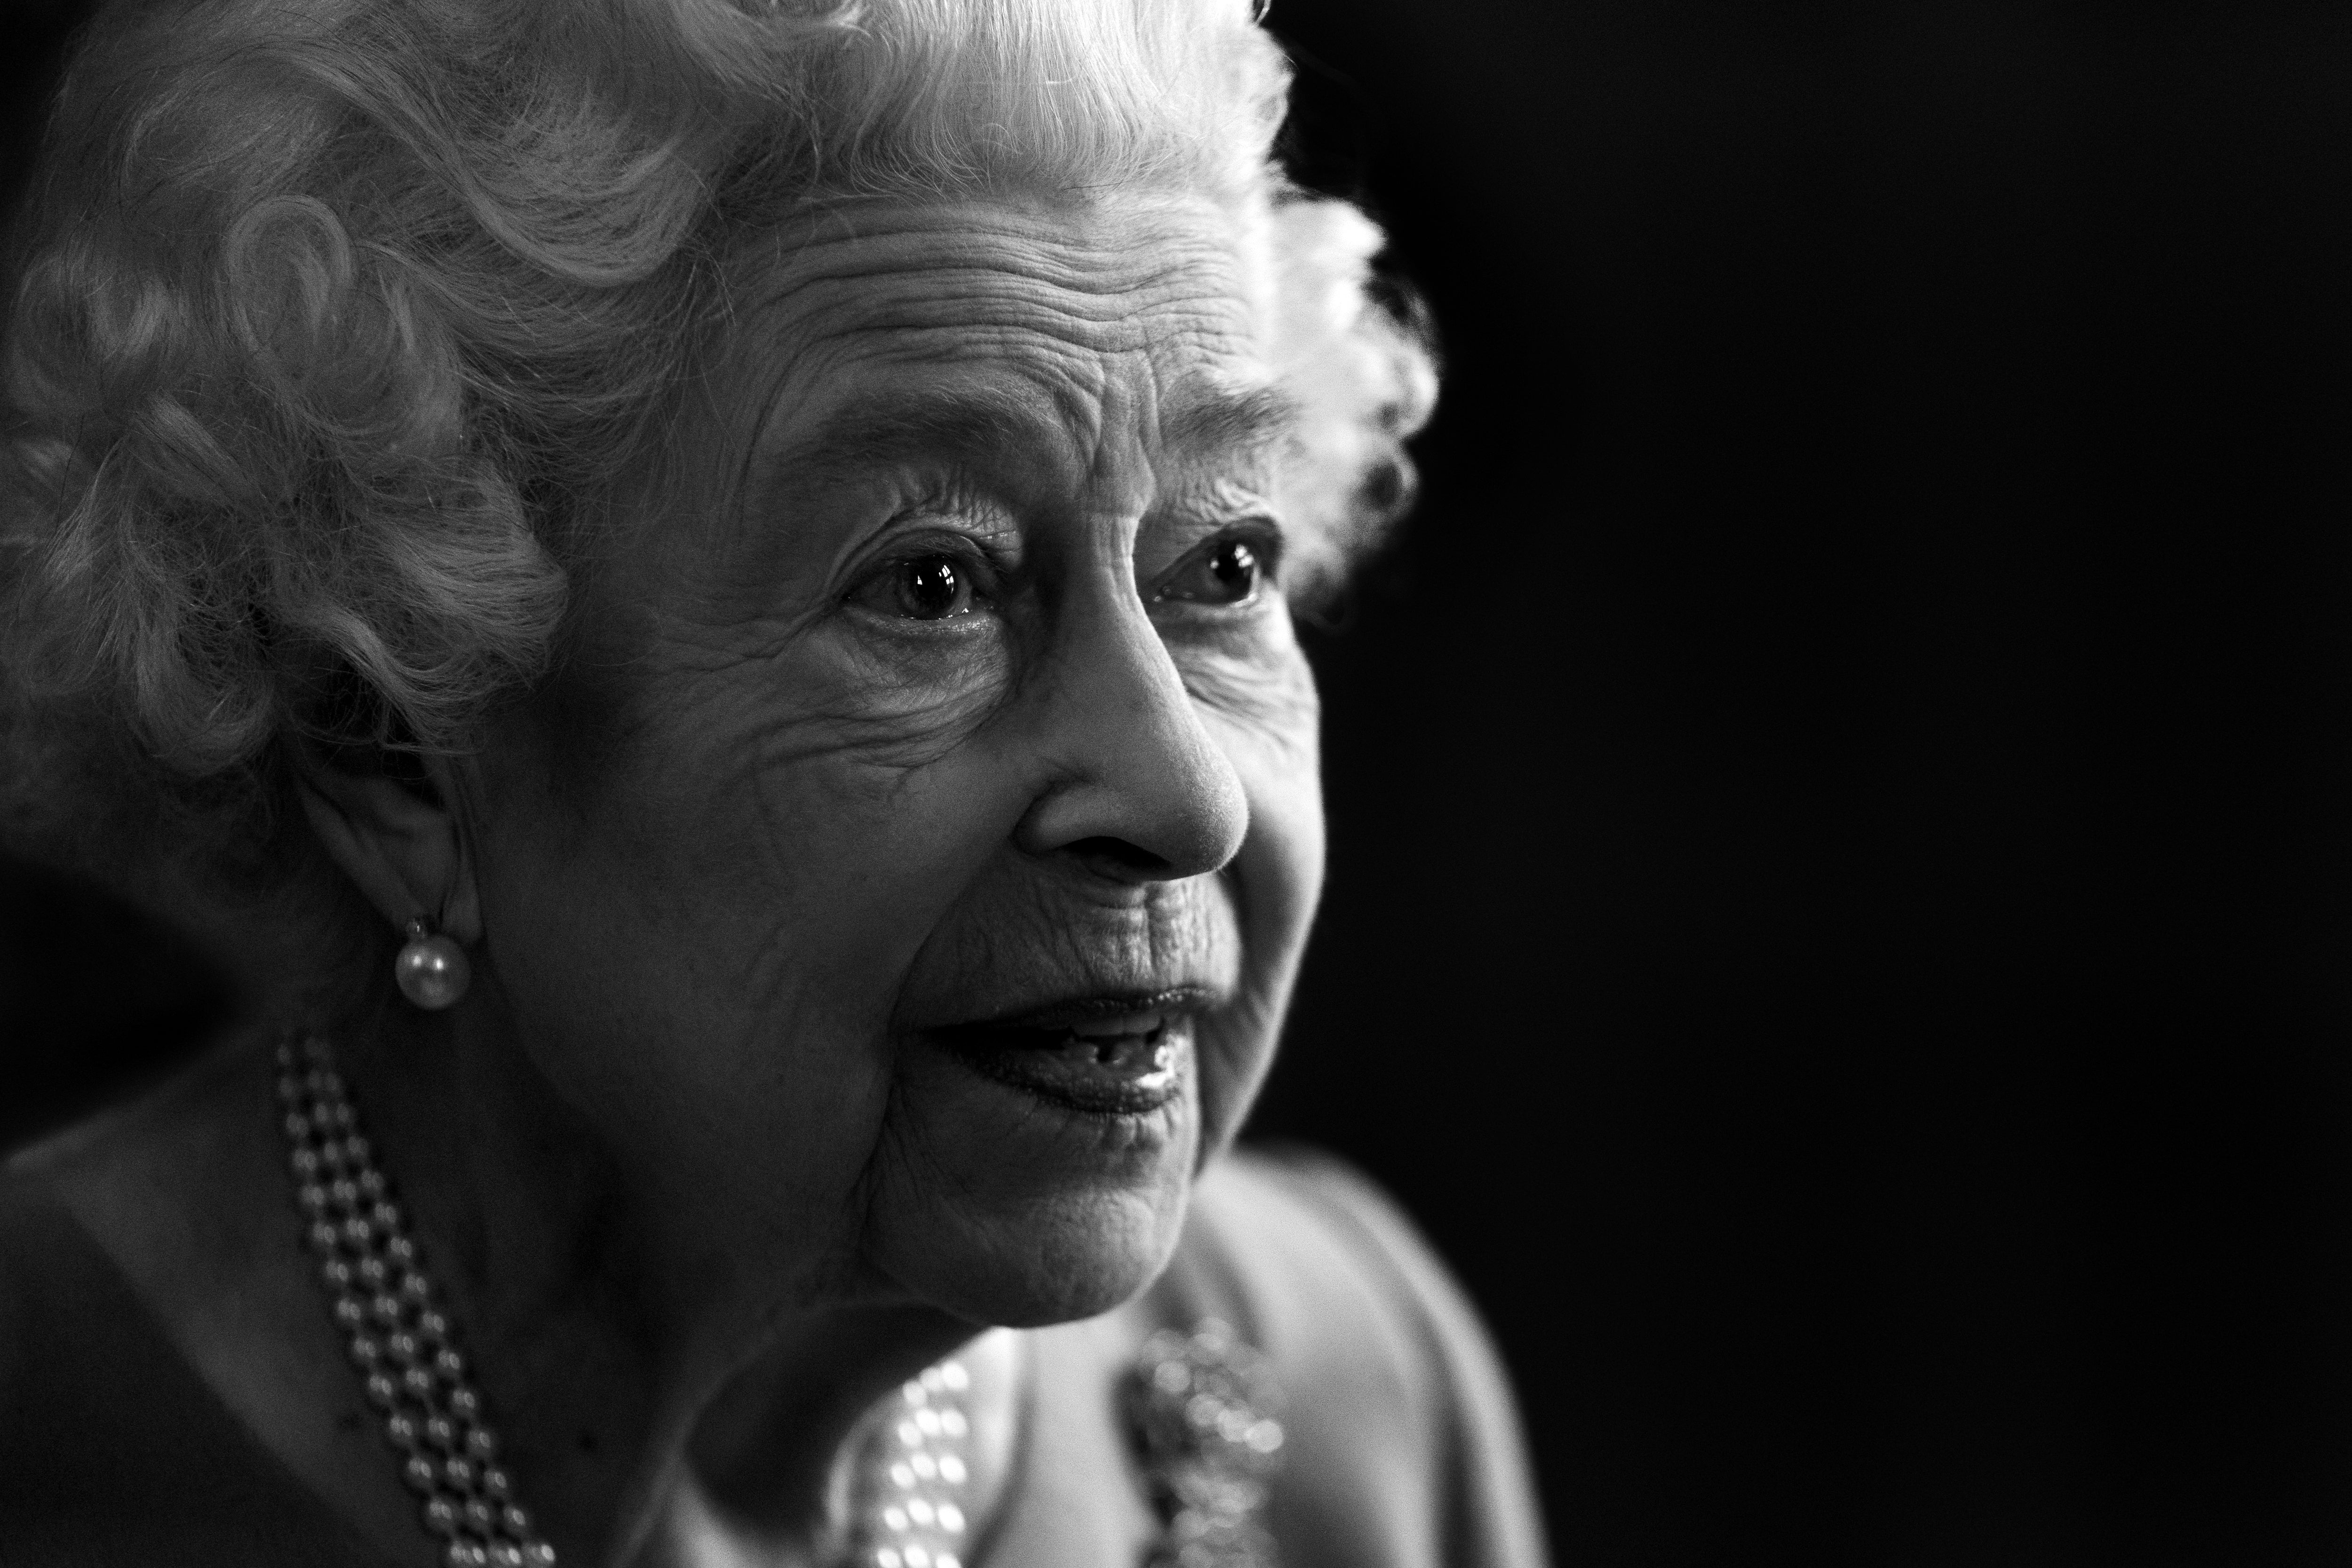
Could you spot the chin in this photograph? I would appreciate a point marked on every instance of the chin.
(1002, 1205)
(1048, 1259)
(1073, 1282)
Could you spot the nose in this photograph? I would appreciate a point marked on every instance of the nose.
(1138, 789)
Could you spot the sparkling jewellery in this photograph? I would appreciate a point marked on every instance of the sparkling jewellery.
(396, 1331)
(431, 970)
(1197, 1405)
(1197, 1410)
(907, 1500)
(911, 1476)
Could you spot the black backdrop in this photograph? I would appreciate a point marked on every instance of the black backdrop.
(1841, 883)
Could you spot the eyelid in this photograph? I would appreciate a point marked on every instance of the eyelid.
(1263, 532)
(927, 526)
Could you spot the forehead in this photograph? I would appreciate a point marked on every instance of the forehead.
(1140, 316)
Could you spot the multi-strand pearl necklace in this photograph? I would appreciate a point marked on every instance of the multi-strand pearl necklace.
(913, 1474)
(397, 1335)
(907, 1509)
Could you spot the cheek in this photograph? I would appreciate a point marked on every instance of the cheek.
(771, 824)
(703, 925)
(1267, 717)
(1278, 880)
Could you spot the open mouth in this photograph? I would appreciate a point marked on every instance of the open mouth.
(1107, 1055)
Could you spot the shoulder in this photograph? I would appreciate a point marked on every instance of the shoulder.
(68, 1320)
(1325, 1269)
(94, 1402)
(116, 1447)
(1404, 1433)
(65, 1307)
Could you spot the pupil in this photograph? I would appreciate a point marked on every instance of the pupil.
(931, 586)
(1235, 565)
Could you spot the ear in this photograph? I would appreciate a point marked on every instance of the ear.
(405, 850)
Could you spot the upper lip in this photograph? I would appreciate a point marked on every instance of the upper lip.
(1148, 1008)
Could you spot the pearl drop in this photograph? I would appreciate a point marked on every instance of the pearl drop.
(432, 971)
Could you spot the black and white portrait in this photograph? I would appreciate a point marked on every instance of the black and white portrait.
(1175, 783)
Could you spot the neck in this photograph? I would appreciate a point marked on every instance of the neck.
(634, 1379)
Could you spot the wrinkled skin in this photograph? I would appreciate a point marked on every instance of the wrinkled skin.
(780, 816)
(774, 823)
(940, 671)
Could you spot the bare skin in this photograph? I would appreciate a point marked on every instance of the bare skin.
(944, 676)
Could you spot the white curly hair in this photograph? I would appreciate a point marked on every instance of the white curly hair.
(327, 312)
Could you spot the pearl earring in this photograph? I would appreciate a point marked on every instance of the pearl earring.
(432, 970)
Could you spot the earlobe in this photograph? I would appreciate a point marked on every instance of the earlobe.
(405, 851)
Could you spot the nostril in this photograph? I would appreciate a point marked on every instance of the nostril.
(1109, 857)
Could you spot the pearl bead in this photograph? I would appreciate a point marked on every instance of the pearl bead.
(432, 971)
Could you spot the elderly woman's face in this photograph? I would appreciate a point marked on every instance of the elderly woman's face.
(907, 876)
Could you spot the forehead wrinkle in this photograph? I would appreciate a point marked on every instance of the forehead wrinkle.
(1035, 313)
(1101, 284)
(1089, 253)
(942, 300)
(984, 311)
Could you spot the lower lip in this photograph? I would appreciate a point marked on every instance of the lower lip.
(1133, 1075)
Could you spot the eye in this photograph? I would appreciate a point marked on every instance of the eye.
(1224, 572)
(933, 586)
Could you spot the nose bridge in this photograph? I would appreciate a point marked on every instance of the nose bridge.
(1135, 763)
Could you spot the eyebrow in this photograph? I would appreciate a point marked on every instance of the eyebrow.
(1251, 417)
(960, 424)
(940, 423)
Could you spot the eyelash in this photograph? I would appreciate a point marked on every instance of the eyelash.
(918, 531)
(991, 570)
(1263, 535)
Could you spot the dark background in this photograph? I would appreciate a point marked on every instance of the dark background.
(1841, 888)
